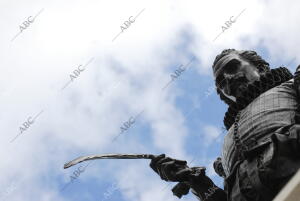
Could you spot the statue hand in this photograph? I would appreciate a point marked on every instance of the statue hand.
(170, 169)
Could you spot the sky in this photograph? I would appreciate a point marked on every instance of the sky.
(93, 77)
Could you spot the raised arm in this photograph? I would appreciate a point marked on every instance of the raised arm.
(194, 178)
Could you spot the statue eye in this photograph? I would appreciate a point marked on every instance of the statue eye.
(232, 66)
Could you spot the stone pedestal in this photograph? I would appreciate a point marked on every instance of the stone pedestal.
(291, 192)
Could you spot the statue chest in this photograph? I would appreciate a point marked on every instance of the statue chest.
(271, 110)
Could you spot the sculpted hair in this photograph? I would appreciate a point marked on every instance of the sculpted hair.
(249, 55)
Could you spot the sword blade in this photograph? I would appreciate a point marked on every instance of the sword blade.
(108, 156)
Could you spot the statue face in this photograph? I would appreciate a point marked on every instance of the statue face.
(233, 74)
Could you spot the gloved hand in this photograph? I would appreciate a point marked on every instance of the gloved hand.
(170, 169)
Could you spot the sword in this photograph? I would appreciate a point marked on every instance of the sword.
(108, 156)
(179, 189)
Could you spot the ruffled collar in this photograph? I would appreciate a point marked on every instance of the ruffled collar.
(267, 80)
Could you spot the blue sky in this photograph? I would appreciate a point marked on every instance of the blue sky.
(122, 78)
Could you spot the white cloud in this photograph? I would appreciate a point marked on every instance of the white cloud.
(78, 120)
(211, 134)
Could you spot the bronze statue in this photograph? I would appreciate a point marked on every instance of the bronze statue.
(261, 150)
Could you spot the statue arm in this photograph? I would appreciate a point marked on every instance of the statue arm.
(210, 191)
(193, 179)
(201, 186)
(204, 188)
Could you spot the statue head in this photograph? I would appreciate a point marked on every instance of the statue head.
(234, 70)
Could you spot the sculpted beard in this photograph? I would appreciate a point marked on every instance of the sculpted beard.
(239, 85)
